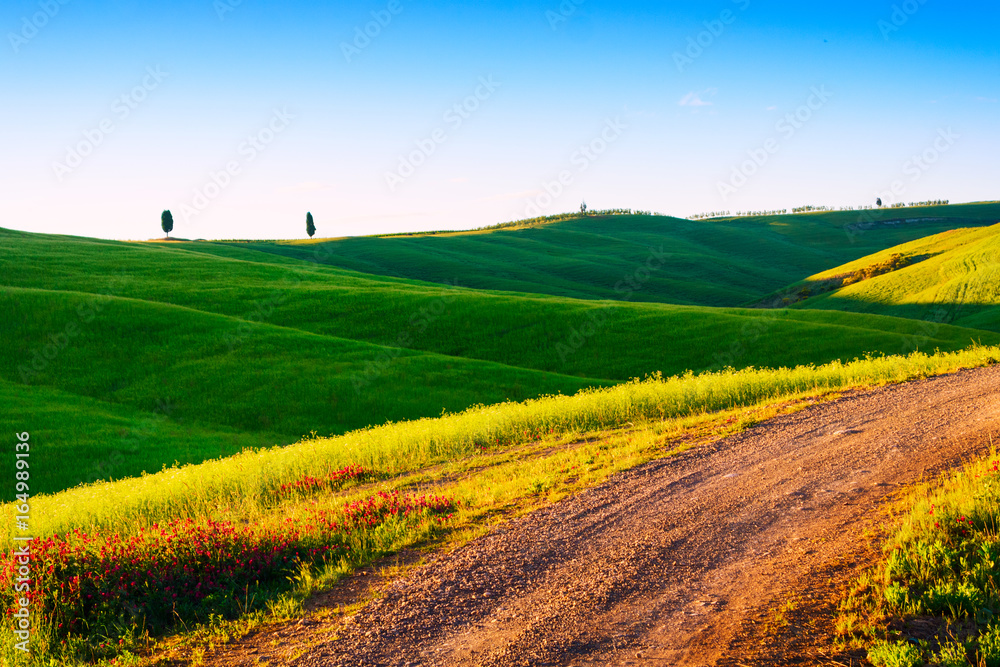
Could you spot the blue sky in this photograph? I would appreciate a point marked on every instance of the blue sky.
(240, 116)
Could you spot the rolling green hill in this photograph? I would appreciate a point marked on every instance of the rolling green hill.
(129, 356)
(720, 262)
(952, 278)
(82, 439)
(552, 334)
(279, 383)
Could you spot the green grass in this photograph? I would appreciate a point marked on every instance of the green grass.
(955, 280)
(278, 384)
(489, 459)
(275, 350)
(210, 338)
(527, 331)
(721, 262)
(398, 448)
(120, 358)
(86, 440)
(935, 598)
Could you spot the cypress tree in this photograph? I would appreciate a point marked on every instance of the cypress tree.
(167, 222)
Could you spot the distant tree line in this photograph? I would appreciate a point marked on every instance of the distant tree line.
(713, 214)
(878, 204)
(533, 222)
(933, 202)
(621, 211)
(514, 224)
(813, 209)
(810, 209)
(738, 214)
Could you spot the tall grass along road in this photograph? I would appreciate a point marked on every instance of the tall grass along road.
(685, 560)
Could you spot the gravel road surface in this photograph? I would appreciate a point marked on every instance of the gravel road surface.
(671, 563)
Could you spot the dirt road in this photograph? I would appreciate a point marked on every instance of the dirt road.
(670, 563)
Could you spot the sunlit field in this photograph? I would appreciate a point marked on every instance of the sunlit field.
(297, 518)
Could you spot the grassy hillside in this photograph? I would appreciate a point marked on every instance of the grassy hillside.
(953, 277)
(721, 262)
(206, 348)
(289, 521)
(278, 383)
(119, 358)
(82, 439)
(552, 334)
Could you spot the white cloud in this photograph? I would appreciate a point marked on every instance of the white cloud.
(695, 99)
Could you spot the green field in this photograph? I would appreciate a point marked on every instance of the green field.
(954, 279)
(720, 262)
(502, 359)
(291, 521)
(180, 364)
(181, 351)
